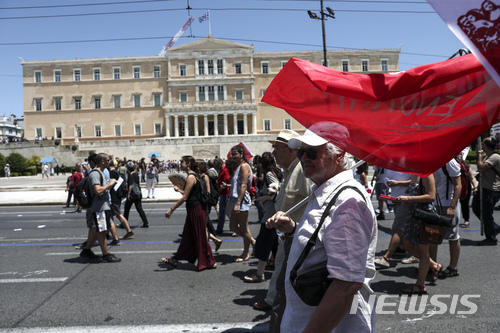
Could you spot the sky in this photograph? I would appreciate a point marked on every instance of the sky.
(69, 29)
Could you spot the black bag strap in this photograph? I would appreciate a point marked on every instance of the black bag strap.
(312, 241)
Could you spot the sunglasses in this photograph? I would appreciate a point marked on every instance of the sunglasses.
(310, 152)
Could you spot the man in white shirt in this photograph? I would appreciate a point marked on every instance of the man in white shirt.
(346, 243)
(448, 189)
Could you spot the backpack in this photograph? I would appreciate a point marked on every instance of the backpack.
(206, 198)
(83, 191)
(136, 193)
(122, 191)
(464, 178)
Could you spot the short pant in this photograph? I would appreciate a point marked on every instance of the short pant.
(93, 220)
(115, 208)
(244, 207)
(452, 232)
(400, 214)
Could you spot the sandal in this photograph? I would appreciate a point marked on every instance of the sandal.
(240, 259)
(170, 261)
(217, 245)
(254, 278)
(465, 224)
(448, 272)
(414, 289)
(435, 273)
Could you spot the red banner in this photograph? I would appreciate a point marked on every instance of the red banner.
(413, 121)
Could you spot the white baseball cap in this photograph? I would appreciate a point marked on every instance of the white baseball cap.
(309, 138)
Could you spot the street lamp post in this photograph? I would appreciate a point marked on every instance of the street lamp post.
(330, 14)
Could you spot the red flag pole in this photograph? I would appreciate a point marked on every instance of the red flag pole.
(480, 189)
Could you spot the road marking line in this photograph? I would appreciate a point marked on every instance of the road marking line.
(33, 280)
(131, 252)
(191, 328)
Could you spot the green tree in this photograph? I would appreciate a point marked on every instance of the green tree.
(3, 162)
(17, 162)
(36, 160)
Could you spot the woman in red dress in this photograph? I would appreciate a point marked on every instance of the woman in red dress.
(194, 243)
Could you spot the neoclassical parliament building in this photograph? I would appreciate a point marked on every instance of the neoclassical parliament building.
(199, 99)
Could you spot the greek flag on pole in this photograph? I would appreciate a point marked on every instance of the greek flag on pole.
(204, 17)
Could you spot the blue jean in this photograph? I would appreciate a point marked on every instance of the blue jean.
(490, 198)
(222, 213)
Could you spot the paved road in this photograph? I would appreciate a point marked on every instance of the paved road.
(44, 284)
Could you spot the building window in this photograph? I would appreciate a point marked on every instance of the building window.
(264, 67)
(118, 130)
(117, 101)
(77, 73)
(267, 124)
(183, 96)
(201, 94)
(57, 103)
(57, 75)
(283, 63)
(239, 95)
(97, 131)
(364, 65)
(201, 67)
(116, 73)
(78, 103)
(210, 66)
(211, 93)
(38, 104)
(58, 132)
(157, 129)
(137, 72)
(220, 66)
(137, 101)
(38, 76)
(38, 133)
(97, 102)
(138, 129)
(287, 123)
(97, 74)
(384, 65)
(78, 131)
(220, 93)
(156, 71)
(182, 70)
(157, 99)
(237, 68)
(345, 65)
(262, 92)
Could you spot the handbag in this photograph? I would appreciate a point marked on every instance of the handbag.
(311, 286)
(136, 193)
(432, 225)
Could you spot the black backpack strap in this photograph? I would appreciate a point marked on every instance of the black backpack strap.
(312, 241)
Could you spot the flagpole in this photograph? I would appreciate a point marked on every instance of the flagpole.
(209, 24)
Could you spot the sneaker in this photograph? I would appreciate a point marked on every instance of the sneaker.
(86, 253)
(78, 210)
(115, 242)
(382, 261)
(128, 235)
(486, 242)
(381, 216)
(377, 211)
(410, 260)
(387, 211)
(399, 252)
(110, 258)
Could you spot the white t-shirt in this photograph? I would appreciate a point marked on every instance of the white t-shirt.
(441, 180)
(397, 191)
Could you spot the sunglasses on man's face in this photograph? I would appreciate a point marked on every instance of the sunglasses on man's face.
(310, 152)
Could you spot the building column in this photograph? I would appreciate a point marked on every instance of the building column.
(245, 124)
(186, 125)
(216, 125)
(196, 126)
(205, 125)
(235, 123)
(254, 123)
(176, 126)
(225, 124)
(167, 126)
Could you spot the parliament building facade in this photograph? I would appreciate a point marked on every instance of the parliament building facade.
(209, 90)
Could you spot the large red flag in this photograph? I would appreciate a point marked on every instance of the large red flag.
(414, 121)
